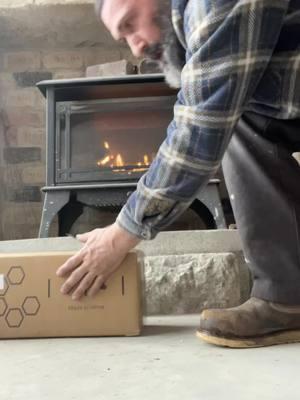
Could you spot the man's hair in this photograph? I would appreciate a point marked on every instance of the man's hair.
(98, 7)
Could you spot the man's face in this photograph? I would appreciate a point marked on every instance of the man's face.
(147, 28)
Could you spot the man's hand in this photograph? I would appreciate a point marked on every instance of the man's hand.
(102, 254)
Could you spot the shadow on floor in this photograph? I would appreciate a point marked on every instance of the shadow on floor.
(155, 330)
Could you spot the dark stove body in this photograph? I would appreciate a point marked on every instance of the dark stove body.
(102, 135)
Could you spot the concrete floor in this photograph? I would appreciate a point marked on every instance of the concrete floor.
(167, 363)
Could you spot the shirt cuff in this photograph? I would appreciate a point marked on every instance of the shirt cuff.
(144, 232)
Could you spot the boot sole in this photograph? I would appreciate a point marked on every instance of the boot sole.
(259, 341)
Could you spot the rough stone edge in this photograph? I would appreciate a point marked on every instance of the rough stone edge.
(241, 270)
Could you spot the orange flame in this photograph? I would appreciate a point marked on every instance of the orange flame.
(119, 161)
(146, 159)
(116, 161)
(104, 161)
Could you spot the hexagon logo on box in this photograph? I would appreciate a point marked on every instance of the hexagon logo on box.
(14, 318)
(16, 275)
(31, 305)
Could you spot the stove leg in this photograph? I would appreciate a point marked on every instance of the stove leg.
(67, 216)
(53, 203)
(204, 213)
(211, 199)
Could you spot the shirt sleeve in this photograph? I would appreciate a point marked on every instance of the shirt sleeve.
(229, 44)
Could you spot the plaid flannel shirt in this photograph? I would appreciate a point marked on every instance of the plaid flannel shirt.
(241, 55)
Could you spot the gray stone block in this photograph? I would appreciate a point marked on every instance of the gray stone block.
(117, 68)
(149, 67)
(182, 284)
(28, 79)
(17, 155)
(245, 277)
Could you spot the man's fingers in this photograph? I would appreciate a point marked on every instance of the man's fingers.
(73, 280)
(72, 263)
(96, 286)
(84, 285)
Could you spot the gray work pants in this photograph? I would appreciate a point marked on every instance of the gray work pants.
(263, 181)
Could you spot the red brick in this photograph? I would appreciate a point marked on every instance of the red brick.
(24, 231)
(31, 78)
(95, 56)
(1, 61)
(28, 173)
(22, 61)
(23, 194)
(15, 3)
(1, 174)
(21, 98)
(7, 83)
(34, 175)
(20, 155)
(40, 101)
(21, 116)
(68, 74)
(17, 213)
(12, 176)
(20, 220)
(11, 136)
(26, 136)
(63, 59)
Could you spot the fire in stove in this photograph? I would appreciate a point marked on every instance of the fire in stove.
(116, 163)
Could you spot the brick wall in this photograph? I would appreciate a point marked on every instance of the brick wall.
(22, 128)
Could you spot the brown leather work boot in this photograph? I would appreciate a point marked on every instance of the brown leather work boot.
(255, 323)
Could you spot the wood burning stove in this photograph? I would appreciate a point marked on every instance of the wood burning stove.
(102, 135)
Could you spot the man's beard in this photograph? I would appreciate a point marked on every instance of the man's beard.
(169, 53)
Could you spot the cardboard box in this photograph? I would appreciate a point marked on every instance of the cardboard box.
(31, 305)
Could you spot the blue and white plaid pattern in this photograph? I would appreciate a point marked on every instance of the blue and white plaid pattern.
(241, 55)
